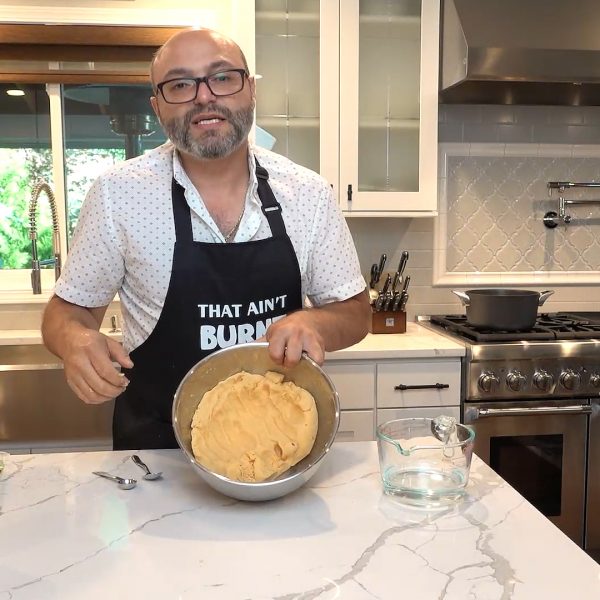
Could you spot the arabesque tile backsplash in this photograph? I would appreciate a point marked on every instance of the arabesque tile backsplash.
(492, 209)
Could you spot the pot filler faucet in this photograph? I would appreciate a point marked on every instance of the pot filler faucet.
(36, 280)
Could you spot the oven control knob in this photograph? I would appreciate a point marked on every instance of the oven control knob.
(487, 382)
(543, 381)
(516, 380)
(570, 380)
(595, 380)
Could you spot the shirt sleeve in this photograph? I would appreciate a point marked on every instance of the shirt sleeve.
(333, 267)
(94, 270)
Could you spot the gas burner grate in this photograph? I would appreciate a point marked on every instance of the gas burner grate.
(549, 326)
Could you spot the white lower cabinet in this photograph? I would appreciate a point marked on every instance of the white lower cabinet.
(354, 382)
(412, 383)
(356, 426)
(389, 414)
(372, 392)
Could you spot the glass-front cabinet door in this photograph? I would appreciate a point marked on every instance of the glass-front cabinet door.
(296, 51)
(388, 106)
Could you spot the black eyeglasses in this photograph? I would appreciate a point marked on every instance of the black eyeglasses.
(185, 89)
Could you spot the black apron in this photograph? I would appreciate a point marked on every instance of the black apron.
(219, 295)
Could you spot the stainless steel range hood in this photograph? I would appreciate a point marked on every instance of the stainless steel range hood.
(521, 52)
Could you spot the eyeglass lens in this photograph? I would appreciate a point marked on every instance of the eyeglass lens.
(220, 84)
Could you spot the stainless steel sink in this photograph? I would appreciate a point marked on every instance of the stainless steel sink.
(38, 409)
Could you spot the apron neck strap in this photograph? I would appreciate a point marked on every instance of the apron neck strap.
(270, 207)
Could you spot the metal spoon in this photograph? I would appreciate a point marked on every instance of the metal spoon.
(124, 483)
(150, 476)
(442, 427)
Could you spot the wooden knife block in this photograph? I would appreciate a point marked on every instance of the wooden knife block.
(387, 321)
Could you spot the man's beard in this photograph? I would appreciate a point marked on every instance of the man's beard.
(213, 144)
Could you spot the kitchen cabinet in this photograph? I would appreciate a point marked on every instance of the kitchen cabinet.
(388, 106)
(389, 414)
(355, 384)
(368, 394)
(412, 373)
(356, 426)
(40, 413)
(366, 119)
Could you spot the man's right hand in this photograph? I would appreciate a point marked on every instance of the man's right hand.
(89, 368)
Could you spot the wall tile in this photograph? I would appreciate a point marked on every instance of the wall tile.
(450, 132)
(463, 113)
(480, 132)
(531, 114)
(515, 133)
(491, 113)
(565, 115)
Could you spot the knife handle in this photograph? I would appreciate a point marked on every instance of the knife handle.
(382, 261)
(386, 285)
(403, 261)
(404, 301)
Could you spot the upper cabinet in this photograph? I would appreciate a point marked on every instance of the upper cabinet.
(349, 88)
(297, 71)
(388, 105)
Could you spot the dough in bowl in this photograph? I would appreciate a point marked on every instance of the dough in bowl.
(252, 427)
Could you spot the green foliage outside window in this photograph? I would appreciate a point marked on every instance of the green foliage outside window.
(19, 169)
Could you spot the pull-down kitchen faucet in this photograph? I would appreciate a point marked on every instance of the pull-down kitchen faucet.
(36, 281)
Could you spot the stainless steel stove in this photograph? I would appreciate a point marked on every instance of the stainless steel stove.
(558, 358)
(533, 399)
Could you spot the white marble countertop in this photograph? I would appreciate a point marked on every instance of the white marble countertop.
(417, 342)
(67, 534)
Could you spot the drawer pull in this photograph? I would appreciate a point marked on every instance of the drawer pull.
(431, 386)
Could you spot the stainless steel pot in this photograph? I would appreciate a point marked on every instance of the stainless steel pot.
(502, 309)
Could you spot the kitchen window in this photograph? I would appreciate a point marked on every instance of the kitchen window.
(74, 100)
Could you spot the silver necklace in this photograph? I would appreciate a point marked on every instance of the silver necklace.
(232, 233)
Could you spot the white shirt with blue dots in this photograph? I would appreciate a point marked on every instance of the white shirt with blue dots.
(125, 235)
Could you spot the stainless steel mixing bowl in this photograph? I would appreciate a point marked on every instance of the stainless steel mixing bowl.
(254, 358)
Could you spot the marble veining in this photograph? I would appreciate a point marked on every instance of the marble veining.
(68, 534)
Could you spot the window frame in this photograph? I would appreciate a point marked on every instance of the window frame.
(55, 46)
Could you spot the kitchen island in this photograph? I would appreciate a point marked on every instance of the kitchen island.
(68, 534)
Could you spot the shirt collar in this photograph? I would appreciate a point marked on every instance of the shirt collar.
(181, 177)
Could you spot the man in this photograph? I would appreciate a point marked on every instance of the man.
(209, 242)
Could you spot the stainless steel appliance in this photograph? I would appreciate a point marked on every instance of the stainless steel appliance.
(502, 52)
(533, 398)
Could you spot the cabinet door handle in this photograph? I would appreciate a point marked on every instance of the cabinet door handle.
(349, 192)
(431, 386)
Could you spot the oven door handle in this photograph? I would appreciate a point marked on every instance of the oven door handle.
(577, 409)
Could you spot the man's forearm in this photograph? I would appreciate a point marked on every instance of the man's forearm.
(61, 318)
(342, 324)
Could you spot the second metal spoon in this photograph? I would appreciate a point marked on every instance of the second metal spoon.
(124, 483)
(149, 474)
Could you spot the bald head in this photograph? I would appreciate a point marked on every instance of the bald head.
(202, 47)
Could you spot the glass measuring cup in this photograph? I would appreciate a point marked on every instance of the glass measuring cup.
(420, 469)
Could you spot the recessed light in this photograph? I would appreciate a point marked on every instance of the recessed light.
(15, 92)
